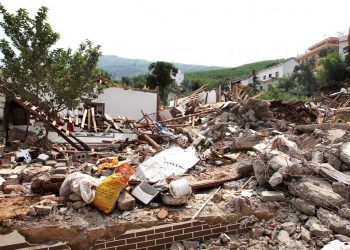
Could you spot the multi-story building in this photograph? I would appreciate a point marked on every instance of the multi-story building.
(314, 51)
(270, 75)
(344, 45)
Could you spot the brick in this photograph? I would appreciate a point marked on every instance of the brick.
(126, 247)
(143, 233)
(206, 226)
(155, 236)
(185, 225)
(193, 229)
(183, 237)
(172, 233)
(115, 243)
(163, 229)
(109, 248)
(202, 233)
(146, 244)
(165, 240)
(99, 246)
(135, 240)
(219, 229)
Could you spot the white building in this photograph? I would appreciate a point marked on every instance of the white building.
(271, 74)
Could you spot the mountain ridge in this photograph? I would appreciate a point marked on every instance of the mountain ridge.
(118, 66)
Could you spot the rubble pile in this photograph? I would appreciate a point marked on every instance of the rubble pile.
(268, 161)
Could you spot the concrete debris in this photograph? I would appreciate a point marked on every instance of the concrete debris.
(304, 206)
(272, 196)
(230, 155)
(126, 201)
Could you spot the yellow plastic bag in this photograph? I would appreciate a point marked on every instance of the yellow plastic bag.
(108, 191)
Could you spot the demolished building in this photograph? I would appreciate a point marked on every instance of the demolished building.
(234, 174)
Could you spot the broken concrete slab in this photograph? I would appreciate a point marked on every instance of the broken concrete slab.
(317, 191)
(335, 222)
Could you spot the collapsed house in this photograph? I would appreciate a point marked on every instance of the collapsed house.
(239, 173)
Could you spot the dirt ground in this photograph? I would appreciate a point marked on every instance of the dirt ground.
(15, 206)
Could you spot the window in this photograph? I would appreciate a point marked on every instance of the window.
(264, 78)
(277, 74)
(270, 75)
(261, 87)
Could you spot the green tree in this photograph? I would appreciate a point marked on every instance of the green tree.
(304, 78)
(126, 80)
(334, 70)
(160, 76)
(325, 51)
(53, 79)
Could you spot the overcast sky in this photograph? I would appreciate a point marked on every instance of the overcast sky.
(208, 32)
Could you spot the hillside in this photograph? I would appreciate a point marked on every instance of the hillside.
(211, 76)
(118, 67)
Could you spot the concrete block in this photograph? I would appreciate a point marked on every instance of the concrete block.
(51, 163)
(42, 158)
(42, 209)
(61, 170)
(272, 196)
(126, 201)
(60, 165)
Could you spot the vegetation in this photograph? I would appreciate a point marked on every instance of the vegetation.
(119, 67)
(160, 76)
(332, 74)
(53, 79)
(214, 77)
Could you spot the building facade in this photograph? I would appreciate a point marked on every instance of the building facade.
(271, 75)
(314, 51)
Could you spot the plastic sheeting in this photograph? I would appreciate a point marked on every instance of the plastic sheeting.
(172, 161)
